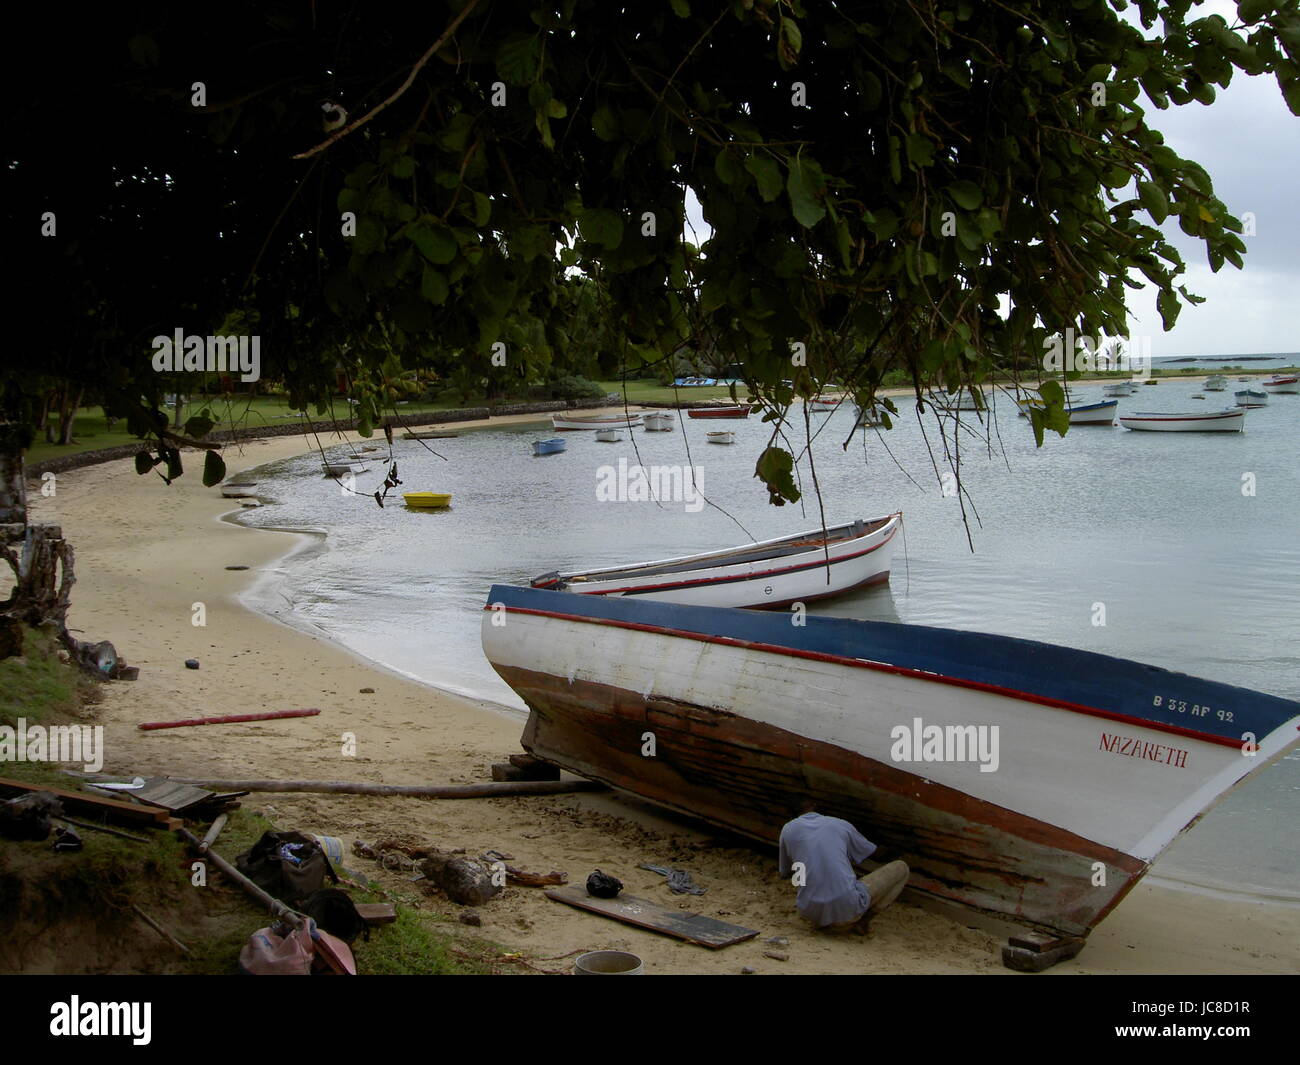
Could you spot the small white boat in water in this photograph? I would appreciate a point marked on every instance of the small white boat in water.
(342, 469)
(769, 573)
(659, 421)
(724, 437)
(609, 436)
(1218, 421)
(1216, 383)
(617, 421)
(1283, 383)
(1116, 390)
(1251, 397)
(962, 399)
(825, 403)
(868, 419)
(1102, 413)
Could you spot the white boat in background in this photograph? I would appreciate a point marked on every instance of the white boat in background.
(1216, 383)
(1218, 421)
(722, 436)
(609, 436)
(660, 421)
(615, 421)
(868, 419)
(1251, 397)
(1283, 383)
(810, 565)
(1102, 763)
(825, 403)
(962, 399)
(342, 469)
(1101, 413)
(1116, 390)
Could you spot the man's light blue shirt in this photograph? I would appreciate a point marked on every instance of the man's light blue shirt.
(828, 847)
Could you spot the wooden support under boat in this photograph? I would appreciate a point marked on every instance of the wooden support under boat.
(1033, 952)
(427, 791)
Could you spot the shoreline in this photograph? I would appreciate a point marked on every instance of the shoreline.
(139, 593)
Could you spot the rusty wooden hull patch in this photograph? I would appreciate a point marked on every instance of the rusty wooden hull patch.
(746, 776)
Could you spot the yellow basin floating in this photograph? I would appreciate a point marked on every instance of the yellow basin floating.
(427, 500)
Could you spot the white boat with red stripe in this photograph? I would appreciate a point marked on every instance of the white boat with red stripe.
(1283, 383)
(768, 573)
(1211, 421)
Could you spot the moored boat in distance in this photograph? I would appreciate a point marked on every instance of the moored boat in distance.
(1216, 383)
(1116, 390)
(723, 437)
(825, 403)
(1203, 421)
(730, 410)
(1283, 384)
(342, 469)
(1251, 397)
(659, 421)
(1005, 772)
(431, 434)
(962, 399)
(604, 421)
(804, 567)
(1100, 413)
(609, 436)
(549, 447)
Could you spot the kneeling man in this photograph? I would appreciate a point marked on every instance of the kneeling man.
(831, 895)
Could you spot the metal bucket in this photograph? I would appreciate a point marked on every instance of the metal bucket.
(607, 963)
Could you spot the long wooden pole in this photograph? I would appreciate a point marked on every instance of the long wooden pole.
(270, 715)
(429, 791)
(277, 908)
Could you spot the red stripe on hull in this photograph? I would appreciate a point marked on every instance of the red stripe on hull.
(885, 667)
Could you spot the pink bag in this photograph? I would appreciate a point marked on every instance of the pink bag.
(270, 953)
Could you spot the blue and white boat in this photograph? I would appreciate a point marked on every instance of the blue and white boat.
(549, 447)
(1102, 413)
(1251, 397)
(1033, 782)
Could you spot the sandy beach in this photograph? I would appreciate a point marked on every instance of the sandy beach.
(146, 553)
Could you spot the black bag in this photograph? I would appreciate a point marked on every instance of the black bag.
(603, 886)
(334, 911)
(287, 865)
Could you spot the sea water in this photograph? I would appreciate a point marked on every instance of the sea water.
(1177, 549)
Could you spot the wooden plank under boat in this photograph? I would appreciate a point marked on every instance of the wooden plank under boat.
(1204, 421)
(804, 567)
(615, 421)
(427, 500)
(728, 411)
(1005, 772)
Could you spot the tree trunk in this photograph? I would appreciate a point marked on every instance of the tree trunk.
(180, 406)
(68, 415)
(13, 484)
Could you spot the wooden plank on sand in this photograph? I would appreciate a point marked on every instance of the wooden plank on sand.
(151, 816)
(692, 927)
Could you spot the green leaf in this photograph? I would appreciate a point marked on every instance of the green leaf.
(214, 469)
(601, 226)
(143, 462)
(517, 59)
(605, 123)
(1154, 200)
(436, 242)
(727, 167)
(775, 468)
(805, 184)
(965, 194)
(681, 8)
(767, 174)
(433, 286)
(198, 426)
(1168, 306)
(403, 167)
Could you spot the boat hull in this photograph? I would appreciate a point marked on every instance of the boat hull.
(1284, 386)
(718, 412)
(806, 576)
(573, 425)
(658, 423)
(1229, 421)
(548, 447)
(749, 715)
(1249, 398)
